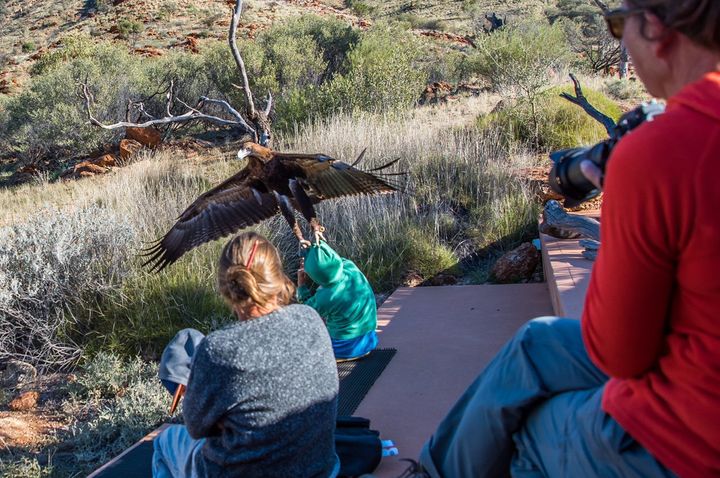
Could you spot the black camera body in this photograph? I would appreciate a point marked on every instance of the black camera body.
(566, 177)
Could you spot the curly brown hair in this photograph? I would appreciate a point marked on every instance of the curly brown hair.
(699, 20)
(260, 282)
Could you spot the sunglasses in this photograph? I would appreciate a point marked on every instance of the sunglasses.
(616, 19)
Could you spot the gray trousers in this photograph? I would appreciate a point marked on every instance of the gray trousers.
(535, 411)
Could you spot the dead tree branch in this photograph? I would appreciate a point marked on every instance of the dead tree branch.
(580, 100)
(192, 114)
(237, 11)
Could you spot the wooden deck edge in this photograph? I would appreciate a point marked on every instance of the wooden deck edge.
(550, 276)
(149, 437)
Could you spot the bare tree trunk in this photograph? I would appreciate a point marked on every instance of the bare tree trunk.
(624, 61)
(580, 100)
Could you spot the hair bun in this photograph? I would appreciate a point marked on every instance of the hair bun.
(240, 282)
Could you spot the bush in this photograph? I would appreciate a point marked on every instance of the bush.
(520, 57)
(561, 124)
(48, 119)
(626, 89)
(50, 266)
(360, 8)
(382, 74)
(115, 403)
(127, 28)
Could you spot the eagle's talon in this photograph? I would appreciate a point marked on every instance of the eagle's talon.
(319, 236)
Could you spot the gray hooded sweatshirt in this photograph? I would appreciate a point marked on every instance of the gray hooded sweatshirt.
(263, 392)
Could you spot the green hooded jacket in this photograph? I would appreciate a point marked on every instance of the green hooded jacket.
(344, 297)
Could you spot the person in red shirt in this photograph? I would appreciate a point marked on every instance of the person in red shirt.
(633, 389)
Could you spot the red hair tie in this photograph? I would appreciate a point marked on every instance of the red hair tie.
(252, 255)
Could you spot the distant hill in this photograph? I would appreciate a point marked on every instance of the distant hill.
(150, 27)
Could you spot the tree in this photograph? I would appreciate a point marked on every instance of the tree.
(255, 123)
(586, 33)
(518, 58)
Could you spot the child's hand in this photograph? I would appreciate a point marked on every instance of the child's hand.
(302, 277)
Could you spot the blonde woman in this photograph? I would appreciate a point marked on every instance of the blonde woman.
(261, 396)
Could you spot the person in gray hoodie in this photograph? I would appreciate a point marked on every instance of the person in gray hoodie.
(261, 394)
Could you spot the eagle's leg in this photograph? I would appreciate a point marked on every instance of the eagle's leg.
(307, 209)
(318, 230)
(289, 215)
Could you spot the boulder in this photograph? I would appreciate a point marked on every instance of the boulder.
(412, 279)
(105, 161)
(149, 137)
(24, 402)
(17, 373)
(129, 148)
(88, 168)
(517, 265)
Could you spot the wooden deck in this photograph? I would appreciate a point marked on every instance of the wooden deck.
(567, 273)
(444, 337)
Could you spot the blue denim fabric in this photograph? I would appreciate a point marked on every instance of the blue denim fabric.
(535, 411)
(176, 454)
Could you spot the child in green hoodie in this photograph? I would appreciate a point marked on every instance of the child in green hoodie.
(344, 299)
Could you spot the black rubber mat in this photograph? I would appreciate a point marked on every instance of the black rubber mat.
(358, 376)
(137, 463)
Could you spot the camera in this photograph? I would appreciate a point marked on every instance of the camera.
(567, 179)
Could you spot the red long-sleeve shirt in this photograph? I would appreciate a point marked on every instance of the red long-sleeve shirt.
(652, 312)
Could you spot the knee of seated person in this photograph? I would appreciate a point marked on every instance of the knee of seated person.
(540, 328)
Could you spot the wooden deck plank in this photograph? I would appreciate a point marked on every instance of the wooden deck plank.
(567, 272)
(444, 337)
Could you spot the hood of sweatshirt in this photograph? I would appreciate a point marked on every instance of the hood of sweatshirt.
(323, 265)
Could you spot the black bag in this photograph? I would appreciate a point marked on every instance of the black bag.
(358, 447)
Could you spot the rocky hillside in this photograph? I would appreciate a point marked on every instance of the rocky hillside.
(150, 27)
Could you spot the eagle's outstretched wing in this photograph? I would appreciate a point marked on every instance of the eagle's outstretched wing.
(323, 177)
(240, 201)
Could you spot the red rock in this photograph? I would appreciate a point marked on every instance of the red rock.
(148, 52)
(105, 161)
(149, 137)
(517, 265)
(26, 401)
(88, 167)
(129, 148)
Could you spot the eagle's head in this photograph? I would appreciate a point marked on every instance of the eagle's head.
(250, 149)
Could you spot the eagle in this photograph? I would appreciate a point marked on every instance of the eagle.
(271, 182)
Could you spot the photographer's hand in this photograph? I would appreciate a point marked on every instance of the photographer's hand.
(592, 173)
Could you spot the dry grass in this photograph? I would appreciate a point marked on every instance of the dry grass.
(463, 197)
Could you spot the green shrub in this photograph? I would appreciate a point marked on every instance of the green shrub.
(360, 8)
(625, 90)
(561, 124)
(127, 28)
(382, 74)
(115, 403)
(14, 466)
(51, 264)
(47, 117)
(520, 56)
(75, 46)
(28, 47)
